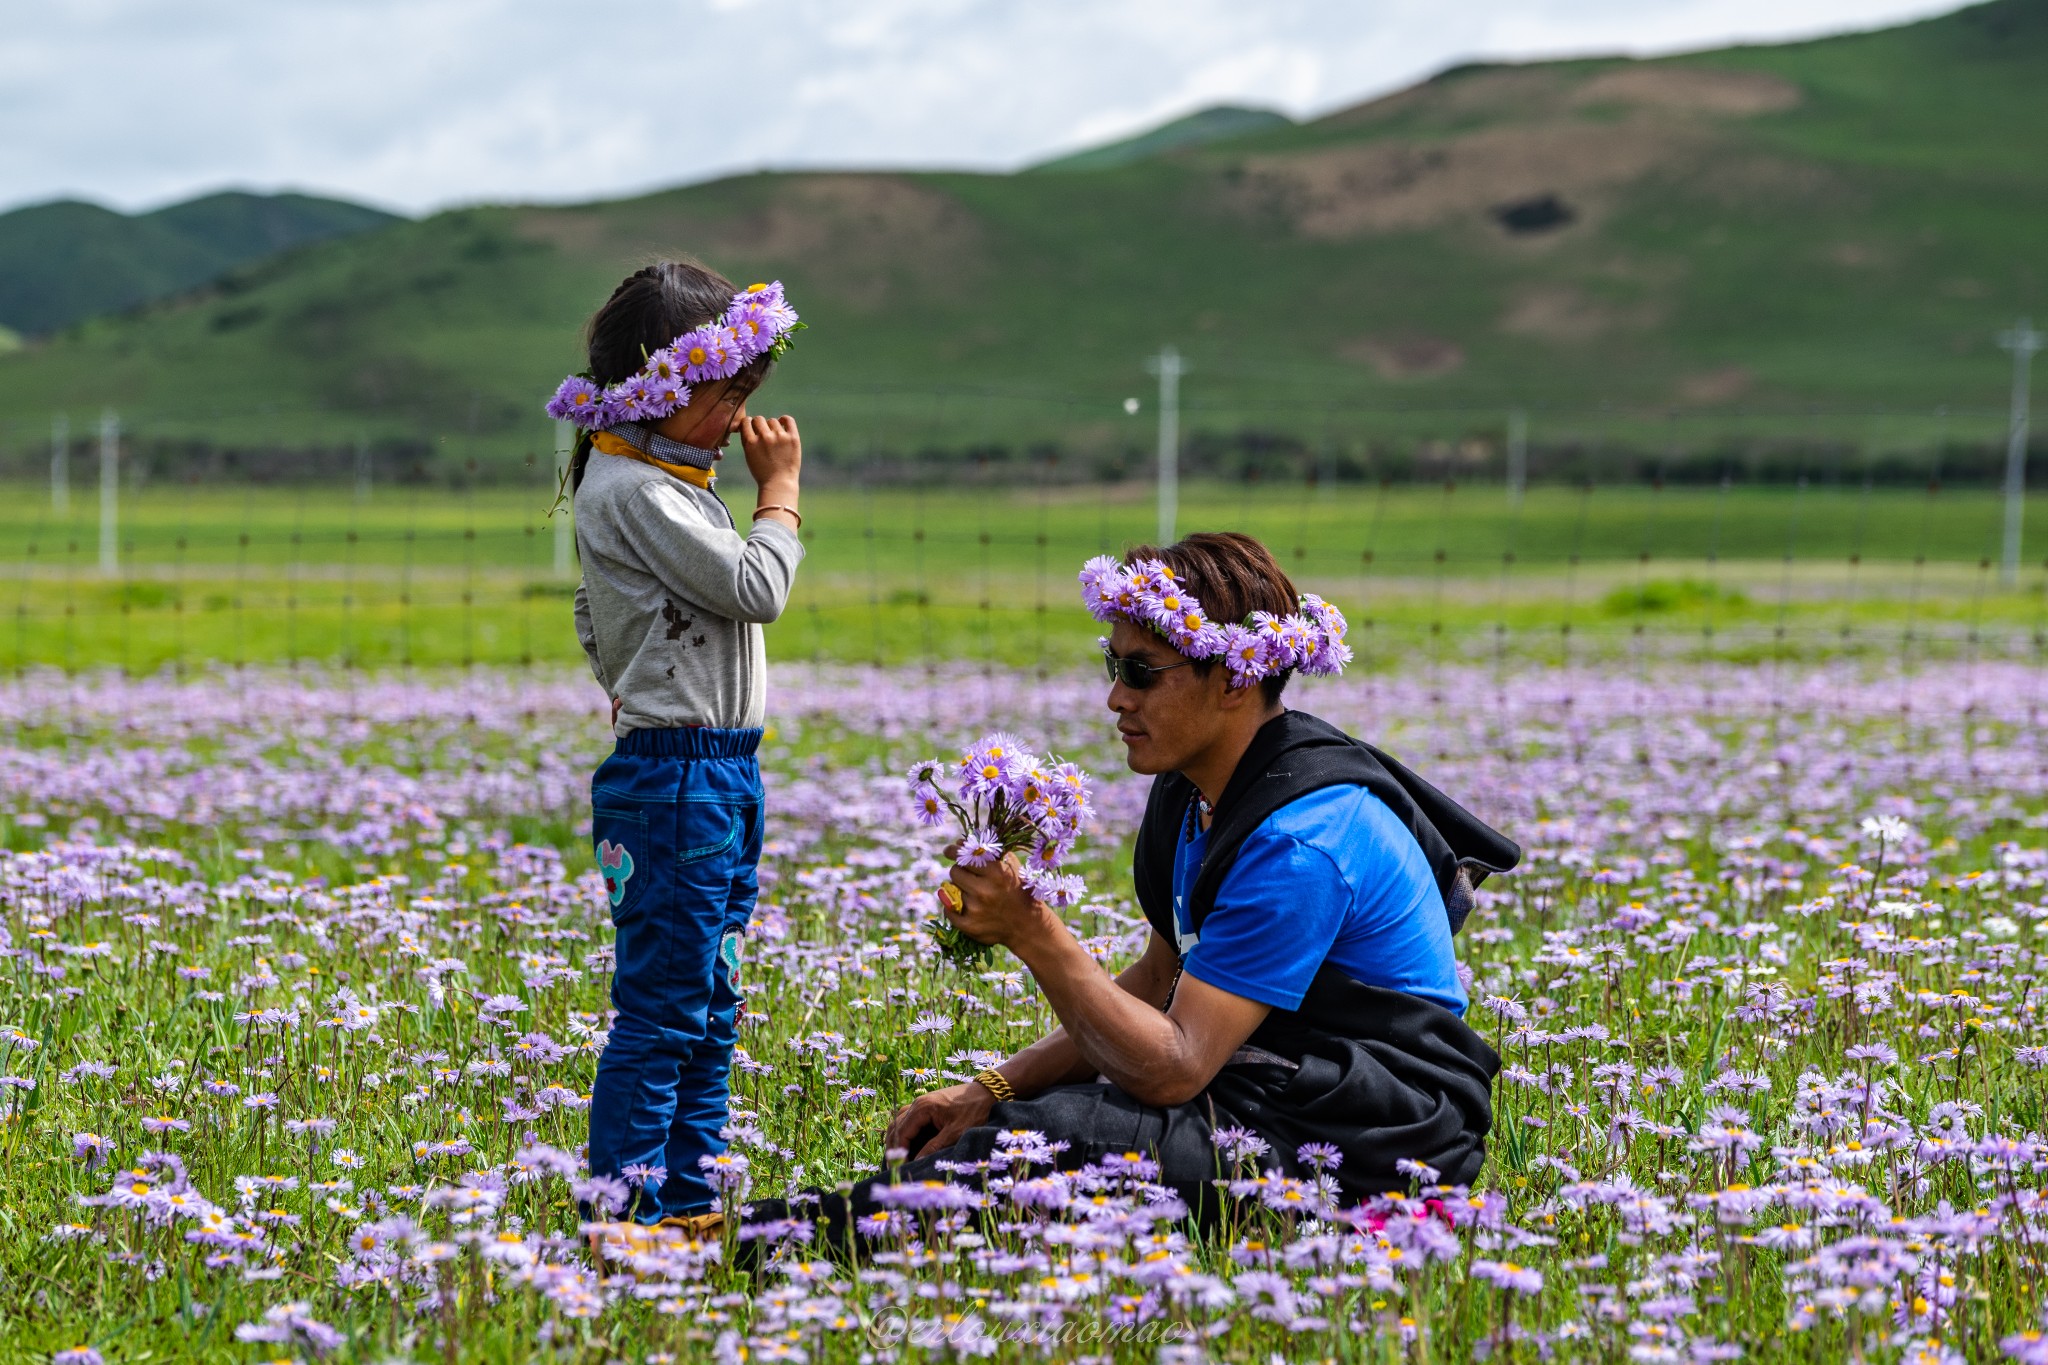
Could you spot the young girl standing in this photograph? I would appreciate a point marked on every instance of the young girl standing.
(670, 612)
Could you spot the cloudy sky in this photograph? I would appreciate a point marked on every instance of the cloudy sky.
(415, 104)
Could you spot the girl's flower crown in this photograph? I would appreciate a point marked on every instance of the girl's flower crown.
(1146, 593)
(759, 322)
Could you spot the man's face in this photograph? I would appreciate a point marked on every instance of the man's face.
(1166, 725)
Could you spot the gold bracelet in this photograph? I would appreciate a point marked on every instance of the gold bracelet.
(997, 1084)
(778, 507)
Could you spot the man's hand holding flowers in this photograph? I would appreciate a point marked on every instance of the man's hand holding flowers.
(991, 904)
(1006, 801)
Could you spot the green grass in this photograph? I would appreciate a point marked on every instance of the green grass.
(424, 576)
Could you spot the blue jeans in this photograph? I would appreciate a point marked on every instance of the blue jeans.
(676, 820)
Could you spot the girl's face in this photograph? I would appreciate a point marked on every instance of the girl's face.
(713, 415)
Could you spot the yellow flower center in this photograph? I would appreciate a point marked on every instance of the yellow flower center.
(698, 355)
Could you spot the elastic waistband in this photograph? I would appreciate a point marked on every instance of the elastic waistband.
(691, 741)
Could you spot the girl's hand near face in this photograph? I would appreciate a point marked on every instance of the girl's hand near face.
(775, 455)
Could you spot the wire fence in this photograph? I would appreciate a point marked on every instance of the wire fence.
(1863, 550)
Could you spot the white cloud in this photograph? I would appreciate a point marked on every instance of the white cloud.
(420, 103)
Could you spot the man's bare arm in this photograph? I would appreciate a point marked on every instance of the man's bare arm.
(1156, 1058)
(1056, 1060)
(938, 1119)
(1153, 1057)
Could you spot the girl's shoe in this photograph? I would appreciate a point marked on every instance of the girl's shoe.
(699, 1225)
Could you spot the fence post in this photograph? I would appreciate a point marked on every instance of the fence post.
(60, 464)
(2022, 341)
(110, 483)
(1518, 456)
(362, 468)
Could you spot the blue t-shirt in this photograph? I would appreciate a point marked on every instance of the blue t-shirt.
(1333, 877)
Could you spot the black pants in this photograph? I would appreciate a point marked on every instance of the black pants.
(1094, 1120)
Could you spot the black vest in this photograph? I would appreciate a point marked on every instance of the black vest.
(1380, 1073)
(1292, 755)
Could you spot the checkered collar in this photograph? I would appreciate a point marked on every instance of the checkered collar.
(650, 442)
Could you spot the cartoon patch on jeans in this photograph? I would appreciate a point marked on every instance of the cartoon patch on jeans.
(617, 867)
(729, 958)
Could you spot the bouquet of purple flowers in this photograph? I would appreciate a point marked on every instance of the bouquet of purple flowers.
(1006, 800)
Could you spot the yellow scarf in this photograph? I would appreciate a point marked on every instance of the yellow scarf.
(606, 443)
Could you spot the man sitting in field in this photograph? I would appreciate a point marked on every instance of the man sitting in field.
(1302, 890)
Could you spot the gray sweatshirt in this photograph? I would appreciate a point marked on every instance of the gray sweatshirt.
(673, 598)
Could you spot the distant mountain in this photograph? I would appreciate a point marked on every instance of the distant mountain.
(66, 261)
(1205, 125)
(1835, 225)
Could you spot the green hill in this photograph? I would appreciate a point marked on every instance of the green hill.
(66, 261)
(1794, 230)
(1204, 125)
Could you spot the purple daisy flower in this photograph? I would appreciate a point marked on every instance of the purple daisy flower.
(772, 301)
(1103, 586)
(926, 1196)
(660, 397)
(763, 294)
(1321, 1156)
(1057, 889)
(1193, 634)
(664, 364)
(623, 401)
(1168, 602)
(1246, 654)
(978, 850)
(1508, 1275)
(577, 400)
(755, 326)
(929, 807)
(708, 353)
(998, 763)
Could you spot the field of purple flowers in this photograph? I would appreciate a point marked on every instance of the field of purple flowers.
(306, 975)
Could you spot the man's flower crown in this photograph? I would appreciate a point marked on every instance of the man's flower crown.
(1310, 640)
(759, 322)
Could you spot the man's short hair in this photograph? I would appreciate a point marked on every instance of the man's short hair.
(1232, 575)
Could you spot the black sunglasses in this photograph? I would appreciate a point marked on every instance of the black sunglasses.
(1136, 673)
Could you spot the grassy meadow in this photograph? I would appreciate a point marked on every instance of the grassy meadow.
(427, 576)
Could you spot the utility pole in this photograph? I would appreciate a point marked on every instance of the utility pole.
(565, 443)
(60, 465)
(110, 485)
(2022, 340)
(1518, 456)
(1169, 367)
